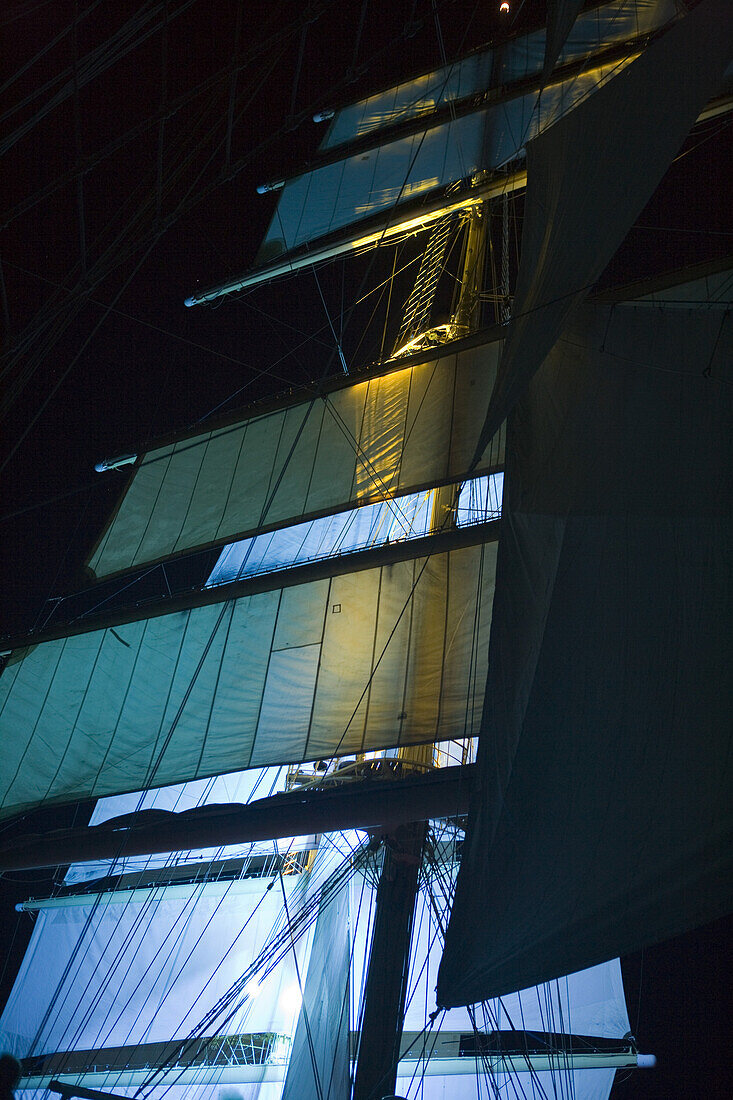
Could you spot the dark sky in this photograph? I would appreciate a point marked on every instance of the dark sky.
(108, 358)
(125, 189)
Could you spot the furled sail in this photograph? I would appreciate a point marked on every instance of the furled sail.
(382, 657)
(590, 175)
(605, 748)
(391, 433)
(235, 787)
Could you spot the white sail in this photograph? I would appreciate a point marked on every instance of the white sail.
(517, 59)
(121, 973)
(336, 195)
(382, 657)
(367, 527)
(90, 962)
(318, 1068)
(372, 439)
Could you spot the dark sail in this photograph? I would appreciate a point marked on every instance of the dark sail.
(603, 822)
(589, 177)
(561, 15)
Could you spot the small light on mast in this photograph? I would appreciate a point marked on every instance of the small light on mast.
(504, 7)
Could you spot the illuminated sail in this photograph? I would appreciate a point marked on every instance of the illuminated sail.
(479, 133)
(517, 59)
(368, 440)
(383, 657)
(155, 963)
(337, 195)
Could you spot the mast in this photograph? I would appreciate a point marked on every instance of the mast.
(466, 315)
(386, 985)
(389, 961)
(389, 957)
(397, 896)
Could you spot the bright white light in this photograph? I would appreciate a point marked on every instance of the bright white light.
(504, 8)
(290, 999)
(368, 526)
(252, 987)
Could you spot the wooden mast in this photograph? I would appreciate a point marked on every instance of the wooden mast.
(389, 958)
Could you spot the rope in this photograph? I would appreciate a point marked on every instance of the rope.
(273, 953)
(506, 308)
(79, 151)
(129, 37)
(420, 302)
(337, 341)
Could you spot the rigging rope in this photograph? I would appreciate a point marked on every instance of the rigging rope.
(420, 302)
(337, 341)
(506, 308)
(149, 906)
(272, 954)
(130, 36)
(117, 256)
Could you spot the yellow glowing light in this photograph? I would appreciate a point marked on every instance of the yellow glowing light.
(355, 244)
(419, 222)
(504, 8)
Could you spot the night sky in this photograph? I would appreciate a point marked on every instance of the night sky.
(133, 139)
